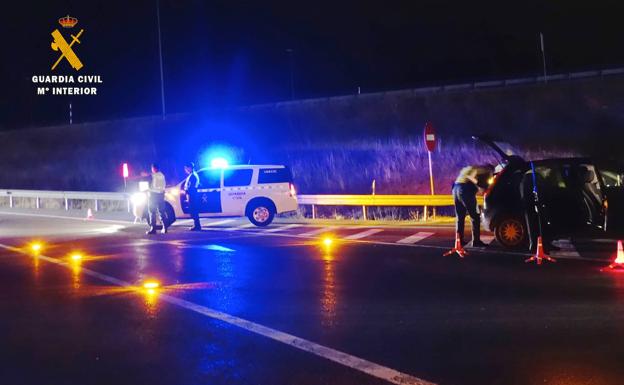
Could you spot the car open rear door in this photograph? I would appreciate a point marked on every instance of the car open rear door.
(611, 177)
(505, 157)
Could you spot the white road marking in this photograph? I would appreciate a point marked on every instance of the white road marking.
(68, 217)
(241, 227)
(567, 249)
(353, 362)
(363, 234)
(318, 231)
(487, 239)
(415, 238)
(281, 228)
(222, 222)
(329, 228)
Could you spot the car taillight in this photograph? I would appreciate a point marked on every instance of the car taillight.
(293, 191)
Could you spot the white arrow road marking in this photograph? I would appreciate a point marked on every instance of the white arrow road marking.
(363, 234)
(353, 362)
(415, 238)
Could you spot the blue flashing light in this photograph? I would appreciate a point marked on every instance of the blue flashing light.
(219, 162)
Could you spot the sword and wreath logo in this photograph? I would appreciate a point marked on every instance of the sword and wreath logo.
(60, 44)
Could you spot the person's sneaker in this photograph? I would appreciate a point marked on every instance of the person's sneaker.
(163, 230)
(195, 228)
(478, 244)
(151, 231)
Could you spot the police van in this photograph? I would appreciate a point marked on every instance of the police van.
(258, 192)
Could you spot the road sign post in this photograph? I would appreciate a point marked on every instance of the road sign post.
(430, 143)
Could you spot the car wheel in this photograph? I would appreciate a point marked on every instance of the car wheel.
(511, 232)
(261, 214)
(169, 215)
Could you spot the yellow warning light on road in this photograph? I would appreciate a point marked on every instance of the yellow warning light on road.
(76, 257)
(328, 241)
(36, 247)
(490, 180)
(151, 285)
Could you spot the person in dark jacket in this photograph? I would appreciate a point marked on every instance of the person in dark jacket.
(191, 184)
(465, 188)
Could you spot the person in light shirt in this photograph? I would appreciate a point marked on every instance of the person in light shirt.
(191, 184)
(156, 200)
(465, 188)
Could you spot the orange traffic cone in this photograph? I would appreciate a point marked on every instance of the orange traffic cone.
(619, 258)
(458, 248)
(540, 254)
(89, 214)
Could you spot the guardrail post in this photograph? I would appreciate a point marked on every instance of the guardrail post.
(364, 212)
(425, 213)
(10, 201)
(37, 203)
(96, 205)
(313, 212)
(66, 204)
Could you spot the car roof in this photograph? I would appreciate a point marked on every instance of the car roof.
(245, 166)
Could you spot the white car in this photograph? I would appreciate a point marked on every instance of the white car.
(255, 191)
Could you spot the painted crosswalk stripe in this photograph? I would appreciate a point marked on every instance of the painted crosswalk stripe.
(222, 222)
(319, 231)
(241, 227)
(567, 249)
(415, 238)
(487, 239)
(282, 228)
(363, 234)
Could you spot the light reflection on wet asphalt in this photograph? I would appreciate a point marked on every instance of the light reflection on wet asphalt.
(413, 311)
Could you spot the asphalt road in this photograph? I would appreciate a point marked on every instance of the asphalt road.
(238, 305)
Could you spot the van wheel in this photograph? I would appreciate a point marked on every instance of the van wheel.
(511, 232)
(261, 213)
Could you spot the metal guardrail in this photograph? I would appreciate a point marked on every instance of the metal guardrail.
(363, 201)
(447, 87)
(66, 196)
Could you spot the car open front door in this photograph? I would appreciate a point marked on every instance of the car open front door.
(209, 191)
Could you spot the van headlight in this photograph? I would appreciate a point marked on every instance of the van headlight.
(138, 198)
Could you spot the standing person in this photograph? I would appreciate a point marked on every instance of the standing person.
(156, 200)
(191, 184)
(465, 188)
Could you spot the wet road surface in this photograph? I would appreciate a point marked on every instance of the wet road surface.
(279, 306)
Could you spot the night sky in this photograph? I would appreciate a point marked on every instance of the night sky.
(227, 53)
